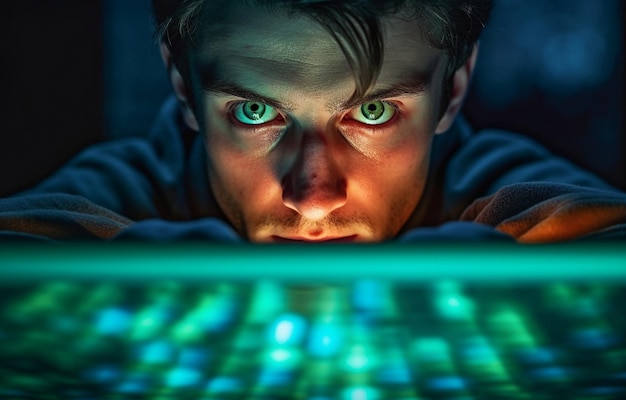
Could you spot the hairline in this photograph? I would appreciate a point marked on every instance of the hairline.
(456, 55)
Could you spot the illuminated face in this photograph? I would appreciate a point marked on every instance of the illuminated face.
(289, 158)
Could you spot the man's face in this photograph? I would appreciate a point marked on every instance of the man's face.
(289, 159)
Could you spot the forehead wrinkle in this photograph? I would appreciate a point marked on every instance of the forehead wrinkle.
(297, 73)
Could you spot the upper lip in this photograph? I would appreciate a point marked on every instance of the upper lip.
(327, 239)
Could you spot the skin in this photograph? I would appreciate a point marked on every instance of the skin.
(315, 172)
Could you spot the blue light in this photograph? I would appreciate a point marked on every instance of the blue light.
(103, 374)
(13, 393)
(370, 295)
(224, 384)
(360, 393)
(549, 374)
(620, 376)
(274, 377)
(446, 383)
(132, 387)
(537, 356)
(183, 377)
(288, 329)
(157, 352)
(395, 374)
(284, 330)
(193, 357)
(604, 390)
(325, 340)
(593, 338)
(478, 349)
(113, 321)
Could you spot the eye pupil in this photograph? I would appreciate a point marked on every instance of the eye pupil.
(373, 111)
(254, 111)
(377, 112)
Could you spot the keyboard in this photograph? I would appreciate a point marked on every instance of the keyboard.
(363, 339)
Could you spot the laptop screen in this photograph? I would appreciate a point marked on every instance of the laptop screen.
(313, 322)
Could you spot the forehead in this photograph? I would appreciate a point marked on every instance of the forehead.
(242, 41)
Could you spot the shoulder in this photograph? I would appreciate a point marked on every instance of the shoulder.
(491, 159)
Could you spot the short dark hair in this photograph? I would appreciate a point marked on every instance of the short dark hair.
(450, 25)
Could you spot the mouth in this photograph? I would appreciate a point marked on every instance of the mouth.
(343, 239)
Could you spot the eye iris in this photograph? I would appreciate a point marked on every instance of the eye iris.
(373, 111)
(254, 111)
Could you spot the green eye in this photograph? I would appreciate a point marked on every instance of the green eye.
(374, 113)
(254, 113)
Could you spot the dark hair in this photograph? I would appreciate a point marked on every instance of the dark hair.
(450, 25)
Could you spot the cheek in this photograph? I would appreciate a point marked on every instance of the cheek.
(232, 173)
(403, 176)
(406, 161)
(226, 161)
(243, 184)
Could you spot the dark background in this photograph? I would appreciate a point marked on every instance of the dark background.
(76, 72)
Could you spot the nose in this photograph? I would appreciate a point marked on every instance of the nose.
(314, 186)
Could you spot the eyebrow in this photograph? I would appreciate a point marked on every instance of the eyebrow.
(414, 85)
(235, 90)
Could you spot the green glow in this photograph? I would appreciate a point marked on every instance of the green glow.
(510, 329)
(357, 361)
(360, 358)
(483, 362)
(280, 355)
(376, 358)
(430, 350)
(283, 357)
(455, 307)
(268, 299)
(360, 393)
(187, 331)
(409, 263)
(147, 324)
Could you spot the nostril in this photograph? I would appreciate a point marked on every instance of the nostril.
(315, 200)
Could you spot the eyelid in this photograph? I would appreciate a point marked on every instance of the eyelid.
(243, 95)
(234, 103)
(394, 103)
